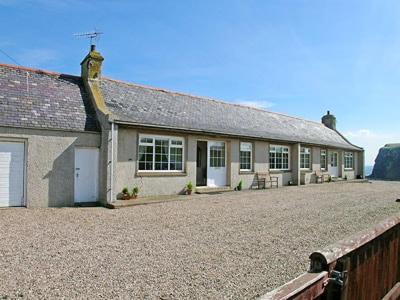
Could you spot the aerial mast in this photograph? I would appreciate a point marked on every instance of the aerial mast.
(94, 37)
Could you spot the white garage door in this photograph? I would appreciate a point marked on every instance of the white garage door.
(11, 174)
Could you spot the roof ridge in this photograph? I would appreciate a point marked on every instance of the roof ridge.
(208, 99)
(36, 70)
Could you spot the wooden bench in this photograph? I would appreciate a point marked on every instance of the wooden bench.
(261, 180)
(319, 177)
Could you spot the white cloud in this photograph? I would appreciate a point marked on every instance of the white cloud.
(371, 141)
(264, 104)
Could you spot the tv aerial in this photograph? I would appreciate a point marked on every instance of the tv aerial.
(94, 36)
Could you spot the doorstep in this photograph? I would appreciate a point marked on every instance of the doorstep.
(213, 190)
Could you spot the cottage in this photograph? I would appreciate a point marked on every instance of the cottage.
(66, 139)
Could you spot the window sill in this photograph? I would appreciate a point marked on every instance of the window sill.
(160, 174)
(279, 171)
(349, 169)
(306, 170)
(244, 172)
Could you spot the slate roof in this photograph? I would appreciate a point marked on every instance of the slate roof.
(157, 107)
(44, 100)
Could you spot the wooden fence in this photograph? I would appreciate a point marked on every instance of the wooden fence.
(365, 266)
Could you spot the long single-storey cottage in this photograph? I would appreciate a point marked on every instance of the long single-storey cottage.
(68, 139)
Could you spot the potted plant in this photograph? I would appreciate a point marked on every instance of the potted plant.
(125, 194)
(345, 177)
(189, 188)
(135, 192)
(329, 178)
(240, 185)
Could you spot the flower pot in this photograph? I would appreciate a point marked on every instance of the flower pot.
(134, 196)
(126, 196)
(189, 192)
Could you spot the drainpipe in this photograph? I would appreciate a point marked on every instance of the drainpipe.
(112, 164)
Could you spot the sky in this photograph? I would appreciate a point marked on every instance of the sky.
(297, 57)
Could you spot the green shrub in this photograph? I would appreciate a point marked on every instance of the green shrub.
(189, 186)
(125, 190)
(135, 191)
(240, 185)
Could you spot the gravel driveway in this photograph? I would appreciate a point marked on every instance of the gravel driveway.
(235, 245)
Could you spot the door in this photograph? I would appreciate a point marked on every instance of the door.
(12, 166)
(86, 174)
(216, 164)
(201, 163)
(333, 166)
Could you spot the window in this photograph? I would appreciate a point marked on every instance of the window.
(278, 157)
(217, 155)
(245, 156)
(305, 158)
(323, 159)
(348, 160)
(160, 153)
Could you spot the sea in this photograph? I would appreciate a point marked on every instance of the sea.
(368, 170)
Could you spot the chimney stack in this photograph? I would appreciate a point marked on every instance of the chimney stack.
(329, 120)
(91, 64)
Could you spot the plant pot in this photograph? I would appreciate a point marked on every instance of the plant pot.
(189, 192)
(126, 196)
(134, 196)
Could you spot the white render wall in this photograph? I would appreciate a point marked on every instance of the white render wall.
(151, 184)
(50, 163)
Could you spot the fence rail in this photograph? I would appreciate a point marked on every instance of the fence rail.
(364, 266)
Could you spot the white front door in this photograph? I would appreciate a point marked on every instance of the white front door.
(333, 165)
(216, 164)
(12, 161)
(86, 174)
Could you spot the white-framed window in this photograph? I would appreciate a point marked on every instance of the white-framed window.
(305, 158)
(246, 158)
(348, 160)
(160, 153)
(217, 155)
(279, 157)
(323, 159)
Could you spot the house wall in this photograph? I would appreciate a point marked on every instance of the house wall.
(284, 176)
(50, 160)
(295, 163)
(308, 176)
(126, 174)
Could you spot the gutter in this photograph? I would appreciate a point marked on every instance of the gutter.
(112, 165)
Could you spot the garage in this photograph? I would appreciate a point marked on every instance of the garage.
(12, 161)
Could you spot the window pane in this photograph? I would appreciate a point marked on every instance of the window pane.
(146, 140)
(161, 154)
(175, 159)
(176, 142)
(145, 157)
(245, 160)
(217, 155)
(279, 158)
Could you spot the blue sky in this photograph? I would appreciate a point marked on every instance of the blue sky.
(291, 56)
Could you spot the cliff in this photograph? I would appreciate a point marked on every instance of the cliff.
(387, 163)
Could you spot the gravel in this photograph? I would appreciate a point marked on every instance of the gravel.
(235, 245)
